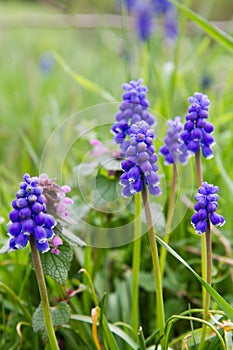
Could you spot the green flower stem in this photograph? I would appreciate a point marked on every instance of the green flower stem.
(43, 294)
(136, 262)
(206, 257)
(203, 238)
(163, 252)
(156, 267)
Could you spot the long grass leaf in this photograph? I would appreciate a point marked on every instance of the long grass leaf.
(218, 298)
(84, 82)
(212, 30)
(114, 329)
(16, 299)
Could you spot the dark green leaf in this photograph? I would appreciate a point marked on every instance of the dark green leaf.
(146, 281)
(68, 236)
(60, 316)
(110, 163)
(106, 188)
(57, 266)
(85, 169)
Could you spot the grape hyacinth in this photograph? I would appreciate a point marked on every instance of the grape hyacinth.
(133, 109)
(206, 206)
(144, 21)
(174, 148)
(197, 131)
(29, 217)
(161, 6)
(141, 162)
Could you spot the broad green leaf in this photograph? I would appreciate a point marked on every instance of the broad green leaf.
(216, 33)
(68, 236)
(84, 82)
(218, 298)
(114, 329)
(146, 281)
(106, 188)
(57, 266)
(60, 316)
(85, 169)
(110, 163)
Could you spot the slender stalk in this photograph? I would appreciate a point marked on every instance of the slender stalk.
(198, 168)
(43, 294)
(206, 256)
(203, 238)
(156, 267)
(208, 260)
(136, 262)
(163, 251)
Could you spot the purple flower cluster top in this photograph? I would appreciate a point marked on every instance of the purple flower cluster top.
(197, 131)
(206, 206)
(141, 162)
(174, 148)
(133, 109)
(29, 217)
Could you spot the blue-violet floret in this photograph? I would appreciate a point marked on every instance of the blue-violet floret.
(174, 148)
(197, 131)
(206, 206)
(141, 162)
(29, 217)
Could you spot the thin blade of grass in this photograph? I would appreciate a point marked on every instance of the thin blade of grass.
(212, 30)
(114, 329)
(217, 297)
(84, 82)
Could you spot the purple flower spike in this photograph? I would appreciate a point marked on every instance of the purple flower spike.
(29, 216)
(174, 148)
(133, 109)
(207, 203)
(197, 131)
(142, 165)
(144, 20)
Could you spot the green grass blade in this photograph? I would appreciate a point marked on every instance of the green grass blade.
(114, 329)
(84, 82)
(16, 299)
(215, 32)
(218, 298)
(224, 173)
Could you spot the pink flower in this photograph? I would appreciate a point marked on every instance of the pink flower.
(99, 148)
(55, 243)
(56, 201)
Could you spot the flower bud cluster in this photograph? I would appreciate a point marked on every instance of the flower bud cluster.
(206, 206)
(56, 200)
(174, 148)
(133, 109)
(197, 131)
(29, 217)
(141, 162)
